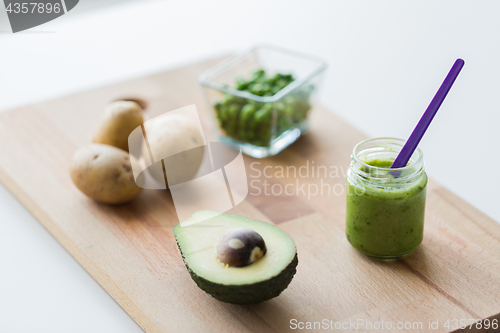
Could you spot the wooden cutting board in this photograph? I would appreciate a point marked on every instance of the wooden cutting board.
(131, 251)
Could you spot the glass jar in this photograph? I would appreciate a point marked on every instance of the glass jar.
(385, 207)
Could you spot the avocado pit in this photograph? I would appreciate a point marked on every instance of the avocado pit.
(239, 247)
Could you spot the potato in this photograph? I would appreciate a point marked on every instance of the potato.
(172, 134)
(104, 173)
(120, 118)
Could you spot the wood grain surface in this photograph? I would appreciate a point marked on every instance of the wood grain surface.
(131, 251)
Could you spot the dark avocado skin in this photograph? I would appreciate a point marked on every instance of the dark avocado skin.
(247, 293)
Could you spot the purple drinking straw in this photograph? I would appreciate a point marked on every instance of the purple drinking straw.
(424, 122)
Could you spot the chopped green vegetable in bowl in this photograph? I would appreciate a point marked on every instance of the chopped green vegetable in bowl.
(252, 122)
(264, 111)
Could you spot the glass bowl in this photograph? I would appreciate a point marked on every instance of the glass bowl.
(255, 105)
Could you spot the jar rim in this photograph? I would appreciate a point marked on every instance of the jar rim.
(395, 140)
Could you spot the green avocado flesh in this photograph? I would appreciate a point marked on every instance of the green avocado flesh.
(262, 280)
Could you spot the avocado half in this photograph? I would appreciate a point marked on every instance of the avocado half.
(262, 280)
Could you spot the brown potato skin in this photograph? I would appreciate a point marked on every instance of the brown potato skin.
(174, 134)
(104, 173)
(120, 118)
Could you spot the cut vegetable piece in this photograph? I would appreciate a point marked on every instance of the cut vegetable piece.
(262, 280)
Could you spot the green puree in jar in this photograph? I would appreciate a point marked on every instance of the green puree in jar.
(385, 221)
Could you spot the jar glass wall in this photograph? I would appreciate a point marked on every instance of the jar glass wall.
(385, 207)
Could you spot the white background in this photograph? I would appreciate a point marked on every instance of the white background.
(386, 61)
